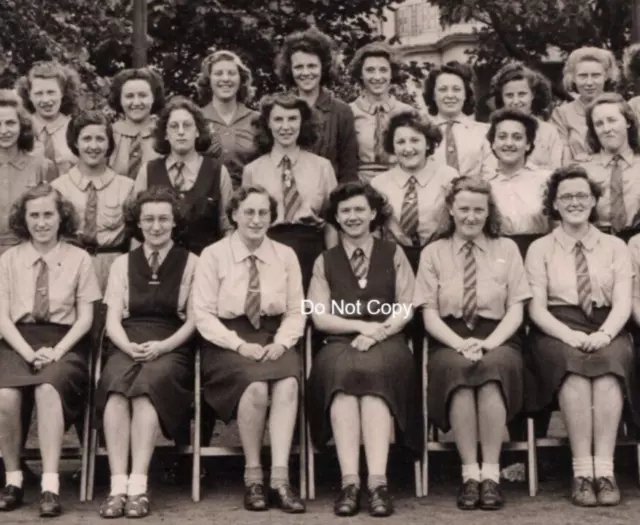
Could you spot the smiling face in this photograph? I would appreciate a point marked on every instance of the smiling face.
(9, 128)
(589, 77)
(43, 220)
(225, 80)
(376, 75)
(354, 216)
(156, 223)
(469, 211)
(410, 148)
(285, 125)
(510, 144)
(611, 127)
(253, 218)
(93, 145)
(517, 94)
(182, 132)
(306, 70)
(574, 201)
(46, 96)
(449, 95)
(136, 98)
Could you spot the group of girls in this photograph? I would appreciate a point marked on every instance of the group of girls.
(211, 225)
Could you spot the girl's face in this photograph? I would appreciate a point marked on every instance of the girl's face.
(9, 128)
(510, 144)
(410, 148)
(590, 77)
(182, 131)
(225, 80)
(136, 98)
(285, 125)
(46, 96)
(517, 94)
(449, 95)
(376, 75)
(93, 145)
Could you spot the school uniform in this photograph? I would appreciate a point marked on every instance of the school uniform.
(570, 119)
(301, 183)
(133, 147)
(51, 142)
(386, 370)
(500, 284)
(101, 229)
(70, 280)
(225, 279)
(233, 143)
(204, 188)
(17, 175)
(154, 307)
(371, 120)
(548, 148)
(551, 271)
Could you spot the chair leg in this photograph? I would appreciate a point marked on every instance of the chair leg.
(86, 431)
(638, 456)
(417, 475)
(532, 458)
(302, 439)
(311, 465)
(195, 471)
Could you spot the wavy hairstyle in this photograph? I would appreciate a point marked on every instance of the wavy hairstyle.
(568, 173)
(467, 76)
(68, 80)
(538, 84)
(346, 191)
(311, 41)
(133, 210)
(627, 113)
(69, 220)
(150, 76)
(492, 227)
(591, 54)
(378, 50)
(246, 90)
(528, 121)
(161, 143)
(412, 118)
(241, 194)
(308, 127)
(81, 120)
(631, 62)
(26, 139)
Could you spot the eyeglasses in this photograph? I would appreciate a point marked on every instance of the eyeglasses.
(568, 198)
(175, 126)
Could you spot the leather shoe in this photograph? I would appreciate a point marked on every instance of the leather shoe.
(491, 497)
(380, 504)
(285, 499)
(254, 498)
(11, 498)
(50, 505)
(469, 495)
(583, 492)
(348, 503)
(607, 491)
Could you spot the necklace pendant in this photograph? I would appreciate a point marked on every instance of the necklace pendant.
(154, 279)
(362, 283)
(287, 181)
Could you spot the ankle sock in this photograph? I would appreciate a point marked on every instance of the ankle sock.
(253, 475)
(119, 484)
(583, 467)
(603, 467)
(350, 479)
(376, 480)
(137, 485)
(471, 472)
(15, 478)
(51, 483)
(279, 477)
(490, 471)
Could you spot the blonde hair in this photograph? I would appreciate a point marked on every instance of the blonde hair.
(594, 54)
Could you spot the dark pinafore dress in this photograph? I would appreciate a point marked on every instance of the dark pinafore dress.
(69, 376)
(386, 370)
(200, 205)
(167, 380)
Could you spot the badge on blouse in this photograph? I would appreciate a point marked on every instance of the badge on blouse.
(154, 279)
(362, 283)
(450, 149)
(287, 178)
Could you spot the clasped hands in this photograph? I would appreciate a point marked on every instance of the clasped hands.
(45, 356)
(147, 351)
(587, 343)
(269, 352)
(473, 349)
(370, 334)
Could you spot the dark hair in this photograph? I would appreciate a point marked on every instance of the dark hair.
(150, 76)
(314, 42)
(348, 190)
(492, 227)
(627, 113)
(411, 118)
(161, 144)
(69, 220)
(68, 80)
(378, 50)
(205, 93)
(462, 71)
(133, 209)
(538, 84)
(308, 127)
(81, 120)
(560, 175)
(528, 121)
(8, 99)
(241, 194)
(631, 62)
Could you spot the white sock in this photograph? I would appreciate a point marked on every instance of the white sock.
(471, 472)
(137, 485)
(603, 467)
(51, 483)
(583, 467)
(490, 471)
(14, 478)
(119, 484)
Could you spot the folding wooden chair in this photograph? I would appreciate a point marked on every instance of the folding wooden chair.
(311, 450)
(96, 449)
(200, 451)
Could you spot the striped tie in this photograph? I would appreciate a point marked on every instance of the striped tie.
(583, 281)
(41, 312)
(409, 220)
(154, 264)
(470, 299)
(252, 302)
(179, 181)
(380, 155)
(359, 264)
(135, 156)
(291, 197)
(450, 143)
(618, 211)
(91, 215)
(49, 149)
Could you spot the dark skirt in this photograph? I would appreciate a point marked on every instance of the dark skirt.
(226, 374)
(69, 376)
(550, 360)
(386, 371)
(448, 370)
(524, 240)
(306, 241)
(413, 254)
(167, 380)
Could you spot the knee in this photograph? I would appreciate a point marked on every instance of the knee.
(10, 400)
(288, 390)
(463, 395)
(576, 388)
(257, 394)
(606, 386)
(46, 394)
(489, 394)
(143, 407)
